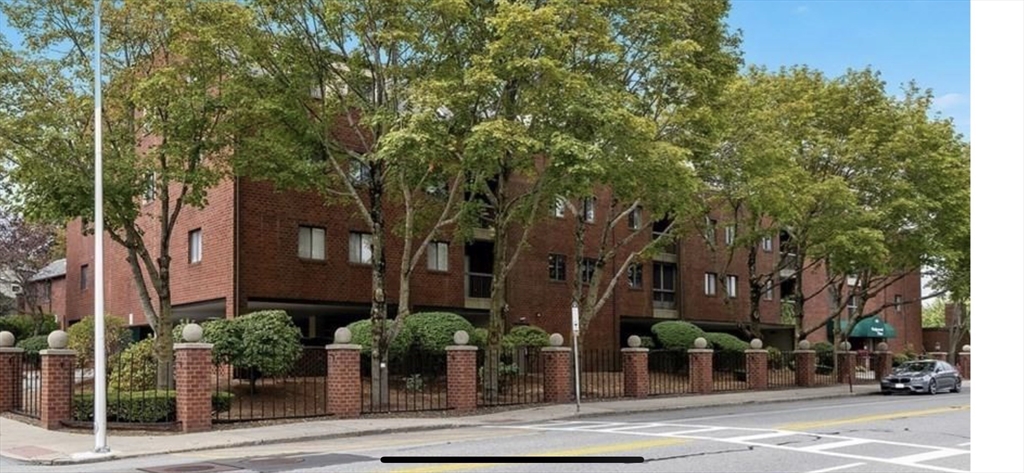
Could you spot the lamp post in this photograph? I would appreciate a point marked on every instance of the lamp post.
(576, 349)
(99, 348)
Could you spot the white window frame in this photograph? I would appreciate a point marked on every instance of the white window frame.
(587, 270)
(898, 300)
(769, 290)
(766, 244)
(556, 261)
(195, 246)
(730, 234)
(437, 256)
(558, 209)
(635, 276)
(589, 206)
(659, 269)
(316, 243)
(360, 248)
(83, 277)
(635, 219)
(709, 231)
(358, 172)
(710, 284)
(732, 283)
(851, 306)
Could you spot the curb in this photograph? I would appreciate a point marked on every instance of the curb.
(421, 428)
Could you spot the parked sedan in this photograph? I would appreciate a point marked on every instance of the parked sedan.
(922, 376)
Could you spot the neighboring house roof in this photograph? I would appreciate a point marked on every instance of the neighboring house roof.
(55, 269)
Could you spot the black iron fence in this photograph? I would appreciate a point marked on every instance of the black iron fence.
(515, 376)
(601, 374)
(781, 369)
(138, 391)
(30, 395)
(668, 371)
(242, 394)
(824, 369)
(415, 381)
(729, 370)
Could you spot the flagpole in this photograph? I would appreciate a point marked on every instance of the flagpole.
(99, 348)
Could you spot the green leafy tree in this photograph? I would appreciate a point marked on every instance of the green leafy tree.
(81, 338)
(166, 129)
(270, 344)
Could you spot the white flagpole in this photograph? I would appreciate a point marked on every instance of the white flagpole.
(100, 365)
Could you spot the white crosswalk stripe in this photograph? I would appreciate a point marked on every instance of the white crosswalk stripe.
(831, 445)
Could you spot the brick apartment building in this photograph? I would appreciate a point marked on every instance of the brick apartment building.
(253, 247)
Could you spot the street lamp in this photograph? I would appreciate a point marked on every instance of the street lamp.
(99, 348)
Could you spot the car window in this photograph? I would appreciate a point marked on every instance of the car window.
(914, 366)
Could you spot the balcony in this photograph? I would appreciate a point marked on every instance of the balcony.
(789, 265)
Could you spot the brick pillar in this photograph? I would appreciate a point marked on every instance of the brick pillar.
(557, 374)
(10, 378)
(883, 364)
(847, 361)
(344, 384)
(701, 373)
(804, 367)
(58, 373)
(193, 367)
(963, 363)
(462, 377)
(757, 369)
(634, 372)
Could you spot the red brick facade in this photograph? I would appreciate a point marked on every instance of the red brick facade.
(344, 385)
(963, 363)
(193, 368)
(10, 378)
(757, 369)
(883, 364)
(635, 376)
(804, 367)
(557, 374)
(58, 370)
(701, 372)
(847, 365)
(462, 378)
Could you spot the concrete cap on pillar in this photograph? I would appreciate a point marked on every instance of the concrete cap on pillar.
(700, 343)
(57, 340)
(461, 337)
(6, 339)
(756, 344)
(882, 347)
(967, 348)
(804, 345)
(556, 340)
(342, 336)
(192, 333)
(633, 341)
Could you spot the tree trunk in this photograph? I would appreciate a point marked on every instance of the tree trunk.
(798, 299)
(755, 291)
(378, 309)
(496, 322)
(164, 342)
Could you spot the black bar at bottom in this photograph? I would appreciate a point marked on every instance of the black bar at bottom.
(512, 459)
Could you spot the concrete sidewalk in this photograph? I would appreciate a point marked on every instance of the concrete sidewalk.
(26, 443)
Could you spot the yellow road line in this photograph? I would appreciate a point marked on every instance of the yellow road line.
(599, 449)
(877, 417)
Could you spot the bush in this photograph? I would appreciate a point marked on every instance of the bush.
(675, 334)
(140, 406)
(775, 358)
(24, 326)
(526, 336)
(134, 369)
(726, 342)
(647, 342)
(33, 345)
(270, 342)
(478, 337)
(225, 336)
(433, 331)
(80, 337)
(362, 335)
(824, 353)
(899, 359)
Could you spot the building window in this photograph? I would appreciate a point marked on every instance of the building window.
(558, 208)
(636, 218)
(899, 303)
(47, 290)
(437, 256)
(587, 269)
(358, 172)
(588, 209)
(730, 285)
(766, 244)
(556, 267)
(83, 278)
(851, 307)
(709, 231)
(149, 192)
(195, 246)
(635, 276)
(360, 248)
(730, 234)
(664, 285)
(769, 290)
(710, 284)
(311, 243)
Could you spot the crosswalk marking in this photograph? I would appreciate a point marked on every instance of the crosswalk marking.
(929, 456)
(694, 431)
(828, 446)
(747, 438)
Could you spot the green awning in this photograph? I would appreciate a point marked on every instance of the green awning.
(871, 327)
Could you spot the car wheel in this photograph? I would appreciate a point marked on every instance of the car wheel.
(933, 387)
(886, 392)
(956, 387)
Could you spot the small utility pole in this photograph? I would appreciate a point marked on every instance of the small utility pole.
(576, 350)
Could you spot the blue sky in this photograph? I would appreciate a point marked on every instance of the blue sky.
(923, 40)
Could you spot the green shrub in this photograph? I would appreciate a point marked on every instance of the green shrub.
(362, 335)
(478, 337)
(505, 372)
(725, 342)
(224, 334)
(824, 354)
(674, 334)
(24, 326)
(34, 344)
(80, 337)
(899, 359)
(140, 406)
(270, 342)
(433, 331)
(526, 336)
(775, 358)
(647, 342)
(134, 369)
(414, 383)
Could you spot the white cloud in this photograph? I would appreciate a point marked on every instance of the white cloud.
(945, 102)
(802, 9)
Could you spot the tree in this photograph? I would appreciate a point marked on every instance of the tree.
(269, 344)
(165, 126)
(933, 314)
(25, 248)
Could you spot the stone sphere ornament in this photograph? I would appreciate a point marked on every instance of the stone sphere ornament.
(461, 337)
(882, 347)
(700, 343)
(845, 346)
(6, 339)
(967, 348)
(192, 333)
(804, 345)
(556, 340)
(633, 341)
(756, 344)
(342, 336)
(57, 340)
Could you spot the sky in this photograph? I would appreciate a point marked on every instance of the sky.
(927, 41)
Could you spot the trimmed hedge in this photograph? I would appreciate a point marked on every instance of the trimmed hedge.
(824, 352)
(362, 335)
(725, 342)
(24, 326)
(140, 406)
(775, 359)
(433, 331)
(647, 342)
(676, 334)
(33, 345)
(526, 336)
(478, 337)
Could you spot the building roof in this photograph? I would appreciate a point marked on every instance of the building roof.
(55, 269)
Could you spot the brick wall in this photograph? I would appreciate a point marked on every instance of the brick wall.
(193, 367)
(701, 373)
(805, 365)
(344, 384)
(462, 378)
(10, 378)
(757, 369)
(58, 367)
(557, 374)
(636, 378)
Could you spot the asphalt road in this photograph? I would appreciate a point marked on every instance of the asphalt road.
(912, 433)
